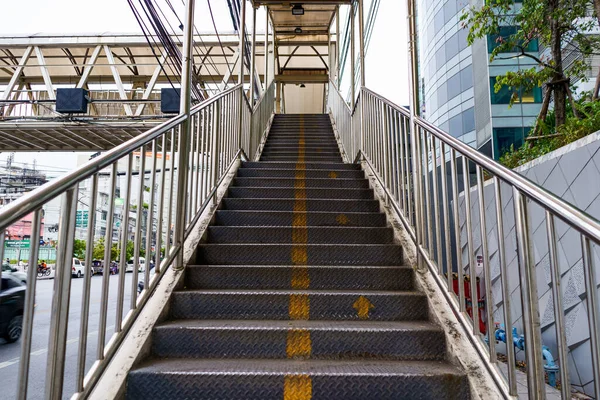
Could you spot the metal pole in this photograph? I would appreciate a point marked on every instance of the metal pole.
(337, 45)
(352, 58)
(184, 132)
(412, 50)
(361, 42)
(57, 343)
(266, 49)
(241, 75)
(253, 57)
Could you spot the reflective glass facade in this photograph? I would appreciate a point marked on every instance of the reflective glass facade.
(457, 81)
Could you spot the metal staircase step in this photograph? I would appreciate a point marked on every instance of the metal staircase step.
(285, 234)
(279, 277)
(290, 173)
(296, 379)
(297, 304)
(295, 154)
(309, 254)
(273, 204)
(311, 193)
(293, 165)
(308, 182)
(328, 340)
(286, 218)
(306, 158)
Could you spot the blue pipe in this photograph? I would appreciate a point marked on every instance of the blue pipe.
(519, 342)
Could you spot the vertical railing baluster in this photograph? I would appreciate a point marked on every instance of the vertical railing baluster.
(469, 228)
(174, 138)
(506, 301)
(447, 242)
(529, 300)
(436, 208)
(124, 240)
(489, 303)
(427, 217)
(29, 307)
(559, 314)
(59, 319)
(455, 210)
(107, 260)
(137, 240)
(150, 218)
(161, 200)
(592, 309)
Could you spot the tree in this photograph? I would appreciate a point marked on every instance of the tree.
(99, 247)
(553, 23)
(79, 248)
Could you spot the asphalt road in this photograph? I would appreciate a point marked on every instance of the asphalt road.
(10, 352)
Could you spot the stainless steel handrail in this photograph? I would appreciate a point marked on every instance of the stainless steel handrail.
(418, 166)
(186, 171)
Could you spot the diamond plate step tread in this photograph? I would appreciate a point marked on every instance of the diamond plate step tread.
(290, 173)
(266, 379)
(285, 218)
(341, 183)
(307, 158)
(340, 205)
(279, 277)
(293, 165)
(311, 193)
(310, 254)
(334, 340)
(314, 235)
(275, 304)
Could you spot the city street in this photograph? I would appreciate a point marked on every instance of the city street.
(10, 352)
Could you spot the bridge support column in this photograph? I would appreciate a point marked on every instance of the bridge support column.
(242, 28)
(184, 133)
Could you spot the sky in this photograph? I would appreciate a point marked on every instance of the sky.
(385, 64)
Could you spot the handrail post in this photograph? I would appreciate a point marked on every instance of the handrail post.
(184, 132)
(352, 57)
(242, 52)
(57, 343)
(361, 42)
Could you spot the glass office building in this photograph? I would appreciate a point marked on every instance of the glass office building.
(457, 81)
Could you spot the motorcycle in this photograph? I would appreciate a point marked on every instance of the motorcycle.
(43, 271)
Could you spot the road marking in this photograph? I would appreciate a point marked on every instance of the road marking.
(362, 305)
(297, 387)
(43, 351)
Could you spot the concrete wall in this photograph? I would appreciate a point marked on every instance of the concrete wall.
(573, 173)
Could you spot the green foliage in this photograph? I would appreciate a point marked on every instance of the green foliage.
(79, 248)
(99, 247)
(573, 129)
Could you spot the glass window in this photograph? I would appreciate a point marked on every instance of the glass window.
(504, 32)
(442, 94)
(449, 10)
(468, 120)
(505, 137)
(466, 78)
(456, 125)
(504, 95)
(440, 56)
(451, 47)
(462, 39)
(454, 86)
(104, 215)
(439, 20)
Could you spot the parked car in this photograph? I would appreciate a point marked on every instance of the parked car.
(97, 267)
(77, 268)
(141, 265)
(10, 270)
(12, 304)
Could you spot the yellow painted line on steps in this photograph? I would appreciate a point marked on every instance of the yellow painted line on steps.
(299, 387)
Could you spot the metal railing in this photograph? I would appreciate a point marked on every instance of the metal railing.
(460, 207)
(141, 187)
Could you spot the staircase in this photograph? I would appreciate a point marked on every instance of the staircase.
(298, 291)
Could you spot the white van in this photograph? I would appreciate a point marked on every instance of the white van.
(77, 268)
(141, 265)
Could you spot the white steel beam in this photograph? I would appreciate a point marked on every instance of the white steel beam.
(151, 84)
(118, 82)
(45, 73)
(88, 69)
(17, 74)
(225, 82)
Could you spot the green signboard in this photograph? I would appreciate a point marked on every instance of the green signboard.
(16, 244)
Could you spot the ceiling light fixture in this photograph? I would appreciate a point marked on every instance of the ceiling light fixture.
(298, 30)
(297, 9)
